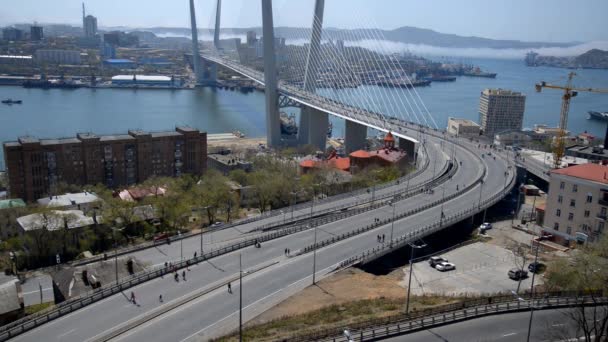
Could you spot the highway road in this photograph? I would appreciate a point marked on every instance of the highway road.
(215, 312)
(548, 325)
(160, 254)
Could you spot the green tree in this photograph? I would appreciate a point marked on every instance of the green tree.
(584, 272)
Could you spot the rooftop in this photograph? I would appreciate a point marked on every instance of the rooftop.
(591, 172)
(501, 92)
(68, 199)
(11, 203)
(9, 296)
(116, 137)
(464, 121)
(55, 220)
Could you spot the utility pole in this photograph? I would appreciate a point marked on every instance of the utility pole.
(532, 289)
(409, 284)
(240, 299)
(314, 259)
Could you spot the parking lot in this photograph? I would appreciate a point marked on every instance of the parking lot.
(481, 268)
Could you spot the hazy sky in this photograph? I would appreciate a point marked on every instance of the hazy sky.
(540, 20)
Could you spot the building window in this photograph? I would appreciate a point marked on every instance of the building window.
(570, 216)
(562, 185)
(558, 213)
(585, 227)
(573, 203)
(589, 198)
(587, 213)
(560, 199)
(569, 230)
(600, 226)
(574, 188)
(556, 226)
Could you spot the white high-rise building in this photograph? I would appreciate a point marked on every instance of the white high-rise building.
(90, 26)
(501, 110)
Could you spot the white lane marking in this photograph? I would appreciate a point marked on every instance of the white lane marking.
(254, 303)
(37, 291)
(67, 333)
(509, 334)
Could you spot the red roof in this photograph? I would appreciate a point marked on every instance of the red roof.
(389, 155)
(541, 207)
(340, 163)
(360, 154)
(593, 172)
(308, 163)
(389, 137)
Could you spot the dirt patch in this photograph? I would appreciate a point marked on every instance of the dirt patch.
(342, 287)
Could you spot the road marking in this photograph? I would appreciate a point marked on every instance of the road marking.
(557, 325)
(38, 291)
(509, 334)
(67, 333)
(254, 303)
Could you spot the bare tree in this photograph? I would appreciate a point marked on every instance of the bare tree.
(587, 274)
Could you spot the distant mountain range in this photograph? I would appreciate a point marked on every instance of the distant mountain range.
(406, 34)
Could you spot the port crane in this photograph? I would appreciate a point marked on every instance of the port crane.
(570, 91)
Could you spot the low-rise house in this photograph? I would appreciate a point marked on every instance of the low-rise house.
(84, 201)
(11, 301)
(55, 220)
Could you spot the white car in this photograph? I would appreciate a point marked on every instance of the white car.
(485, 226)
(445, 266)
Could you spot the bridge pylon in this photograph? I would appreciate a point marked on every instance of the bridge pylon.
(313, 123)
(273, 125)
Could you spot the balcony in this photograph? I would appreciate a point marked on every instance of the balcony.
(601, 216)
(603, 201)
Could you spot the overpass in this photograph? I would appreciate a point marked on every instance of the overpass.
(344, 230)
(366, 109)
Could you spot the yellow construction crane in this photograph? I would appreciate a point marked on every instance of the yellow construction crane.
(570, 91)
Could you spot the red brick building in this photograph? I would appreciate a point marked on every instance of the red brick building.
(36, 166)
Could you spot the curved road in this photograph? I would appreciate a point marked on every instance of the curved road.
(215, 313)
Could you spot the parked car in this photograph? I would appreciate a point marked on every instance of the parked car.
(536, 266)
(485, 226)
(445, 266)
(216, 224)
(517, 274)
(433, 261)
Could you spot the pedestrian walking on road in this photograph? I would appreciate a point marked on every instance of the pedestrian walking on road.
(229, 288)
(176, 276)
(166, 264)
(383, 237)
(160, 298)
(133, 297)
(184, 275)
(195, 255)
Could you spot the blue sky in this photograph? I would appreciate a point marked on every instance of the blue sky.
(539, 20)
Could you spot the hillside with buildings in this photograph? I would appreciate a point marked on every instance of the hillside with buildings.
(592, 59)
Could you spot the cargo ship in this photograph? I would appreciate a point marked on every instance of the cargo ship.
(476, 72)
(440, 78)
(403, 83)
(53, 83)
(603, 116)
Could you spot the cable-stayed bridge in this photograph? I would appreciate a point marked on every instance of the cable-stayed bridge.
(367, 87)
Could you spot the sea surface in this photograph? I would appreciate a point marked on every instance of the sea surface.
(63, 113)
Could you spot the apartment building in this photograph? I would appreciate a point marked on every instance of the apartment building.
(501, 110)
(36, 166)
(577, 203)
(58, 56)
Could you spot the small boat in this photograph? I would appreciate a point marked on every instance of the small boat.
(11, 101)
(603, 116)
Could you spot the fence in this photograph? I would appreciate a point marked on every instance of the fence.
(30, 322)
(450, 313)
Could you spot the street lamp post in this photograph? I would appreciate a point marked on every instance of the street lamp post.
(115, 253)
(240, 299)
(392, 204)
(409, 284)
(532, 291)
(314, 258)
